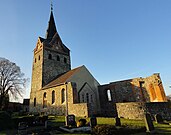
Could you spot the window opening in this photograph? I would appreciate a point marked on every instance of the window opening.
(63, 95)
(50, 56)
(53, 97)
(109, 96)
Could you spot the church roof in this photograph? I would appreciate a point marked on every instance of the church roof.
(62, 78)
(51, 30)
(52, 39)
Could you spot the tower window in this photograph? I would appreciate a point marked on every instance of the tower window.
(83, 98)
(91, 98)
(39, 57)
(50, 56)
(65, 60)
(58, 58)
(109, 96)
(63, 96)
(34, 102)
(87, 97)
(53, 97)
(35, 60)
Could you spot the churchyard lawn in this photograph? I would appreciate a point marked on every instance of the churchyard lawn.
(56, 121)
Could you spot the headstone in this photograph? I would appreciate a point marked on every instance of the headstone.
(48, 124)
(93, 122)
(22, 128)
(118, 121)
(71, 120)
(148, 123)
(158, 118)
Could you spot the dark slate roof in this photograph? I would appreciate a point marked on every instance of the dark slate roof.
(52, 37)
(51, 30)
(26, 101)
(63, 78)
(41, 39)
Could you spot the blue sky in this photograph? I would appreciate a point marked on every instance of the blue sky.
(114, 39)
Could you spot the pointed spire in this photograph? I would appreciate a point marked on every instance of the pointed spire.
(51, 6)
(51, 30)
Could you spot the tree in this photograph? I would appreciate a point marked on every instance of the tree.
(12, 82)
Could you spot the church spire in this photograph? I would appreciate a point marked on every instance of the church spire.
(51, 4)
(51, 30)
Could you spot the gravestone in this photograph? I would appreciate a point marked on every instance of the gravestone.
(148, 123)
(48, 124)
(22, 128)
(71, 120)
(117, 121)
(93, 122)
(158, 118)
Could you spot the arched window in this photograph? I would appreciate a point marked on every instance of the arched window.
(44, 100)
(50, 56)
(65, 60)
(63, 96)
(35, 60)
(83, 98)
(53, 97)
(58, 58)
(44, 95)
(39, 57)
(91, 98)
(87, 97)
(109, 95)
(34, 102)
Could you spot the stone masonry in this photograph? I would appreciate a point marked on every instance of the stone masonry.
(137, 110)
(148, 89)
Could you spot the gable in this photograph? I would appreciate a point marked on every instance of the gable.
(39, 44)
(84, 76)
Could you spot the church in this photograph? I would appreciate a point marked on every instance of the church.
(59, 90)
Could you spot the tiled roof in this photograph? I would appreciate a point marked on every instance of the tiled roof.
(63, 78)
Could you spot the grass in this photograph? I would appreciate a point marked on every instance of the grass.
(57, 121)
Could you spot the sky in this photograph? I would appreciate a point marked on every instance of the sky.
(115, 39)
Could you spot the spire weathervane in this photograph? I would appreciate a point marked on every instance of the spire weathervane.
(51, 6)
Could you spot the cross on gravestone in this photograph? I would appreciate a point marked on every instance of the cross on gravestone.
(158, 118)
(118, 121)
(71, 120)
(148, 123)
(93, 122)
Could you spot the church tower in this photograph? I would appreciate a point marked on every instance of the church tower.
(51, 58)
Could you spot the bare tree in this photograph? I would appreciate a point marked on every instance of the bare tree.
(12, 81)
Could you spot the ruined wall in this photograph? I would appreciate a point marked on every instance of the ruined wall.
(132, 110)
(148, 89)
(136, 110)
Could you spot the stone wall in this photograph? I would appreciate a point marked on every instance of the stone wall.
(59, 107)
(80, 109)
(149, 89)
(132, 110)
(136, 110)
(87, 88)
(162, 108)
(54, 66)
